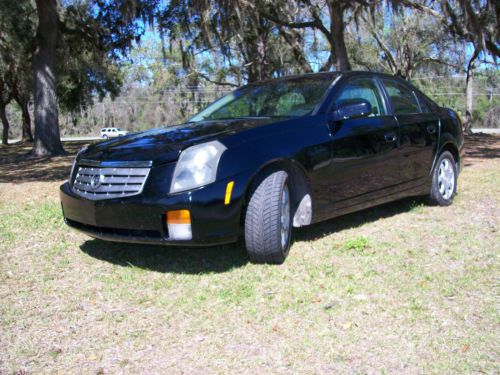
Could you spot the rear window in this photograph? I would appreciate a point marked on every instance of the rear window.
(423, 105)
(402, 98)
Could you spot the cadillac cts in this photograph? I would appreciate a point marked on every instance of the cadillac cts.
(265, 158)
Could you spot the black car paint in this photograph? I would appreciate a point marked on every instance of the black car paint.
(164, 145)
(347, 165)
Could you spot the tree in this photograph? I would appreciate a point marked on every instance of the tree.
(15, 61)
(73, 56)
(22, 93)
(84, 70)
(47, 139)
(308, 14)
(245, 44)
(5, 98)
(402, 41)
(475, 22)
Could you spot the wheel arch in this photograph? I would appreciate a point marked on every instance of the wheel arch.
(453, 150)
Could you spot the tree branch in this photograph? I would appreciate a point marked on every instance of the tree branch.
(315, 23)
(392, 62)
(220, 83)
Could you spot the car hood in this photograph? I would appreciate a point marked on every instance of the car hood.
(164, 145)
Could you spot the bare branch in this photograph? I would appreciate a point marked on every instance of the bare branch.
(220, 83)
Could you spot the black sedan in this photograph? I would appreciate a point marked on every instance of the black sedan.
(265, 158)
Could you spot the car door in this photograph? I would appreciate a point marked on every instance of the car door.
(364, 149)
(419, 129)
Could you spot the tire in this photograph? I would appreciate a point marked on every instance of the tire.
(105, 137)
(444, 180)
(268, 220)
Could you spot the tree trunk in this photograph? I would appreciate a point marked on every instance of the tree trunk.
(469, 99)
(26, 136)
(47, 137)
(469, 88)
(26, 128)
(337, 41)
(469, 92)
(5, 123)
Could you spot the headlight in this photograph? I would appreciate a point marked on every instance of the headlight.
(84, 148)
(197, 166)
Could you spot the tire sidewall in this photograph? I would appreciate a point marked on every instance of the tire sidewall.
(263, 237)
(285, 250)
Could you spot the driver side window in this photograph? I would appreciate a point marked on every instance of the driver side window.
(362, 88)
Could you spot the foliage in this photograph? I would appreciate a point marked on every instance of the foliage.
(450, 92)
(403, 42)
(85, 69)
(242, 43)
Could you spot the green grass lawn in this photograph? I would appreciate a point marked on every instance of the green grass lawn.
(402, 288)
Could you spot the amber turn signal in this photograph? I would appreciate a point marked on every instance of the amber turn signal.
(178, 217)
(229, 190)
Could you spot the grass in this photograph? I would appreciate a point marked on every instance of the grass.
(402, 288)
(357, 244)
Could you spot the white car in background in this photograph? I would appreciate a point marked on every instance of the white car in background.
(107, 133)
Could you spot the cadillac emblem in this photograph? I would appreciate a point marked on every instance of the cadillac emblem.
(95, 181)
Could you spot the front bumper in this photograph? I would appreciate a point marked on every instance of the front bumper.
(141, 218)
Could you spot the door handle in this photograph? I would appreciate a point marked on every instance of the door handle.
(390, 137)
(431, 129)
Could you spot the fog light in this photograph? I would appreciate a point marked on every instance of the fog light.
(179, 225)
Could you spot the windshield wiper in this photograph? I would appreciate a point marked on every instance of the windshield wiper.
(241, 118)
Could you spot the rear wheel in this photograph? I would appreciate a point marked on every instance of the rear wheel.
(444, 180)
(268, 221)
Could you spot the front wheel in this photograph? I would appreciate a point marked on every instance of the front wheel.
(268, 221)
(444, 180)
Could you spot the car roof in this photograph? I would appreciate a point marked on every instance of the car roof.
(332, 75)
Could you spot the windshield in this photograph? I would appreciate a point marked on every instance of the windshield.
(281, 98)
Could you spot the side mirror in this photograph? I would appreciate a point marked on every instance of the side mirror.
(352, 108)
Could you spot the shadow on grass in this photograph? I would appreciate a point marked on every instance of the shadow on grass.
(227, 257)
(356, 219)
(168, 259)
(481, 146)
(17, 165)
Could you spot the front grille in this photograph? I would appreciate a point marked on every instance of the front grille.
(106, 183)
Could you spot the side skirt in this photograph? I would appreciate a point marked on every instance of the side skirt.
(422, 189)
